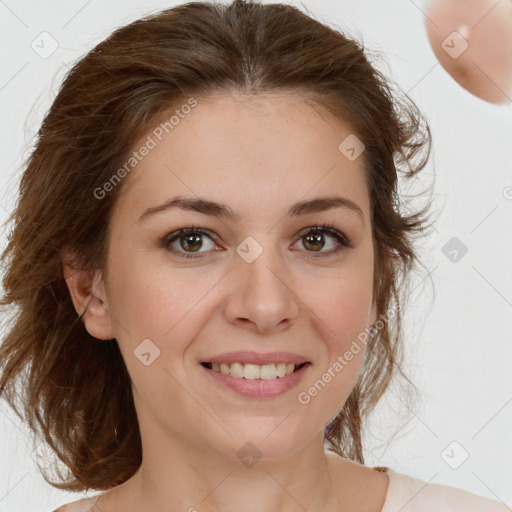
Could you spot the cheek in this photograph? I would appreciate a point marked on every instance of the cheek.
(142, 305)
(147, 298)
(344, 330)
(168, 307)
(342, 316)
(341, 303)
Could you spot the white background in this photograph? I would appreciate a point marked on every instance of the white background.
(459, 341)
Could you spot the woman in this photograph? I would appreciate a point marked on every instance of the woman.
(206, 256)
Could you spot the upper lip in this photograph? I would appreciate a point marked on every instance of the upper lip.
(258, 358)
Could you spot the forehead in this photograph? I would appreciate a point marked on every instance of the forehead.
(249, 152)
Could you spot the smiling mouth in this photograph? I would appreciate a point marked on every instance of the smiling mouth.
(254, 371)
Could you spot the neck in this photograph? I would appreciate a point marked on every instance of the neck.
(197, 480)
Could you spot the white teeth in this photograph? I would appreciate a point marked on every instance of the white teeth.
(249, 371)
(281, 369)
(268, 371)
(237, 370)
(254, 371)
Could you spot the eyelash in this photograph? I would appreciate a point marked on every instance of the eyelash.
(324, 229)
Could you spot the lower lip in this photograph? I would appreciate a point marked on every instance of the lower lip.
(259, 388)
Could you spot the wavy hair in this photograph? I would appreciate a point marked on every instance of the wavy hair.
(75, 393)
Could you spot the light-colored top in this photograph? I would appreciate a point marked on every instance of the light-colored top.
(405, 494)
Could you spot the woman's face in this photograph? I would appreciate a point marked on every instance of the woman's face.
(260, 285)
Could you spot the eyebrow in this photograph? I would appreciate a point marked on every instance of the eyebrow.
(207, 207)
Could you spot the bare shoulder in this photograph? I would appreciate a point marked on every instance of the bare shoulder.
(83, 505)
(366, 488)
(366, 475)
(371, 480)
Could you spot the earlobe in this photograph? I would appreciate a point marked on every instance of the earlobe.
(87, 292)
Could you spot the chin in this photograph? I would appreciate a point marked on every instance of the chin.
(271, 439)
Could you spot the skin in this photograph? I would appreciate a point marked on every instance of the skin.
(259, 155)
(485, 68)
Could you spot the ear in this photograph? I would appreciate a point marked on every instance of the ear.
(87, 291)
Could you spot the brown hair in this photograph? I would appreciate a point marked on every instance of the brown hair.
(74, 392)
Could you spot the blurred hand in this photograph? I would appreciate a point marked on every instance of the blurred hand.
(479, 55)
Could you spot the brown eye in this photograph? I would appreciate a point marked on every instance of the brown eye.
(189, 240)
(314, 242)
(192, 242)
(313, 239)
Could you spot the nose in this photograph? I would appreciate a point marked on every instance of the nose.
(261, 297)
